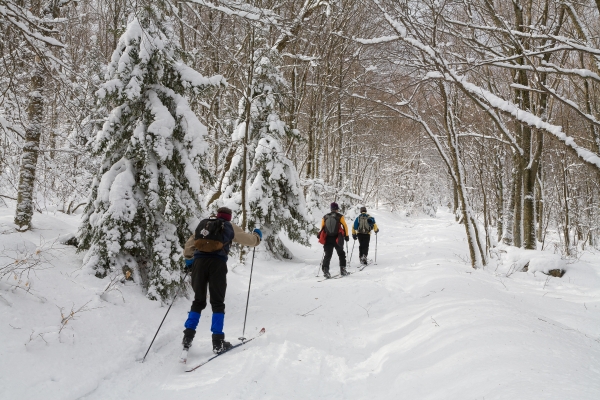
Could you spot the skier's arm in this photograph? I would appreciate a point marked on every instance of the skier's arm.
(343, 221)
(188, 250)
(243, 238)
(354, 226)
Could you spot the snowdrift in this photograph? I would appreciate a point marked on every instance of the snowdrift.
(420, 324)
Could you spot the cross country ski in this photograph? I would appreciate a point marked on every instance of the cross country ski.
(338, 276)
(262, 331)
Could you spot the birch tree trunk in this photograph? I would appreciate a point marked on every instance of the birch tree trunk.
(35, 113)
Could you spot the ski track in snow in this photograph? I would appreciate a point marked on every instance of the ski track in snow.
(419, 324)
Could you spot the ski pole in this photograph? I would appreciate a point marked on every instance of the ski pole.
(248, 298)
(163, 320)
(352, 252)
(321, 265)
(375, 248)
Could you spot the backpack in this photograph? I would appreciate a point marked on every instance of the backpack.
(332, 224)
(365, 224)
(209, 235)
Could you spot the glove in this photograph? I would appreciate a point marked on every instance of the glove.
(377, 231)
(258, 232)
(347, 238)
(188, 263)
(354, 236)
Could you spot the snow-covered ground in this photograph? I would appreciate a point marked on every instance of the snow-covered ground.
(420, 324)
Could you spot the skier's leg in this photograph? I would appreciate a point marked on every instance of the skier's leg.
(199, 284)
(217, 287)
(364, 246)
(190, 329)
(200, 276)
(342, 255)
(328, 248)
(361, 245)
(367, 240)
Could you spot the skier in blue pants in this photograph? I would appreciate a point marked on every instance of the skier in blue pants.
(209, 271)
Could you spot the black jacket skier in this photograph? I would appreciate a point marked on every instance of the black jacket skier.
(209, 270)
(334, 231)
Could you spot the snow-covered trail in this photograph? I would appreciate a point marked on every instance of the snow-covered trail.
(421, 324)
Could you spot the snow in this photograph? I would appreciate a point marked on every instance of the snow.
(419, 324)
(195, 78)
(243, 10)
(383, 39)
(535, 261)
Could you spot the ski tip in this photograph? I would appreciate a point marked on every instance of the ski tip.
(262, 331)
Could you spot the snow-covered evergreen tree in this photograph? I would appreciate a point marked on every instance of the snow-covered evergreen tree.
(146, 192)
(316, 204)
(273, 195)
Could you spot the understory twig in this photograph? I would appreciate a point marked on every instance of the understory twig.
(307, 313)
(368, 316)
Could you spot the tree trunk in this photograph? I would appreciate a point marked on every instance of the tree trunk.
(456, 201)
(509, 220)
(566, 209)
(339, 156)
(311, 145)
(249, 94)
(499, 172)
(35, 111)
(539, 208)
(518, 202)
(475, 249)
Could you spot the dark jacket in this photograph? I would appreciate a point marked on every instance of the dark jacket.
(232, 233)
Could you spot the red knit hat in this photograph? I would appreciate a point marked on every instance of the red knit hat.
(224, 213)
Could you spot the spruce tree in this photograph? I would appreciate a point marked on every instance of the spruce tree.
(146, 192)
(272, 191)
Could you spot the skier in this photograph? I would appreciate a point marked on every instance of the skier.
(206, 254)
(363, 225)
(333, 232)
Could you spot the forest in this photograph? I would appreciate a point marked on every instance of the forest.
(145, 115)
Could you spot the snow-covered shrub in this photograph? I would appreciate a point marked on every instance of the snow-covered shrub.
(147, 190)
(316, 204)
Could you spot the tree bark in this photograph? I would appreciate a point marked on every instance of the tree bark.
(509, 221)
(517, 225)
(29, 158)
(476, 253)
(249, 94)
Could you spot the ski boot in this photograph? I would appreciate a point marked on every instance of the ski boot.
(363, 260)
(219, 343)
(343, 271)
(188, 337)
(326, 274)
